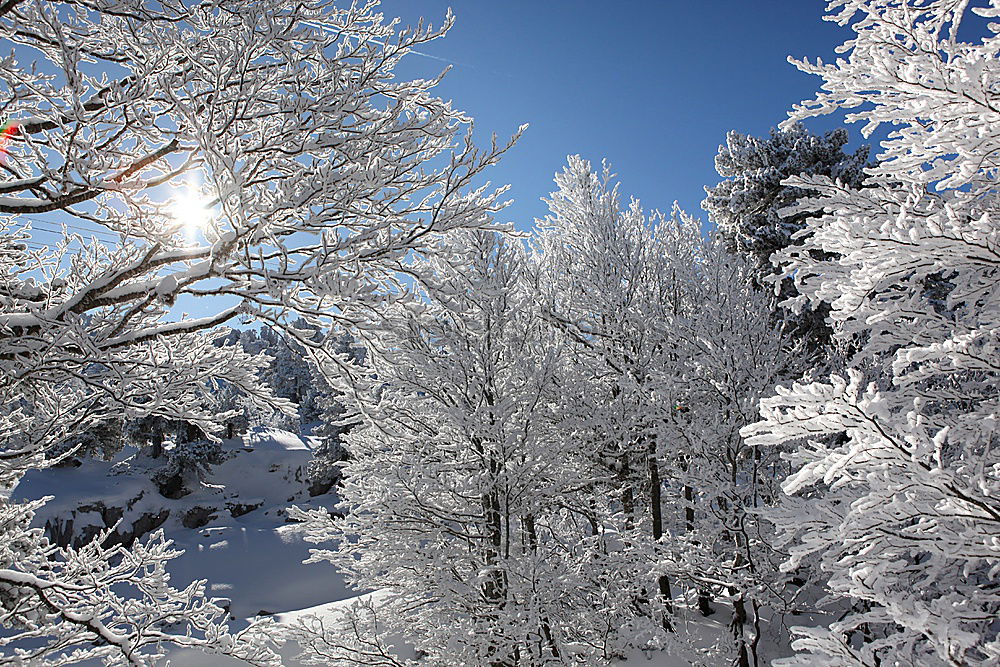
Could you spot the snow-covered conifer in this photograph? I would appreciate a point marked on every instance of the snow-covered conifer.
(747, 205)
(334, 420)
(751, 205)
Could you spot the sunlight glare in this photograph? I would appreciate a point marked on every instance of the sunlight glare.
(190, 211)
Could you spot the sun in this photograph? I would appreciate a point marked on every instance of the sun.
(190, 210)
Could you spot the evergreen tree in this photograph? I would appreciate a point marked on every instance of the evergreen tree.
(751, 205)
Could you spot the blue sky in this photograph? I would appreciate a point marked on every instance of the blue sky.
(651, 85)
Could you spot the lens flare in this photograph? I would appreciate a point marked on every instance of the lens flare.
(7, 131)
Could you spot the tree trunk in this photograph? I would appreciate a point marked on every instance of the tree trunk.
(494, 588)
(704, 597)
(628, 495)
(656, 514)
(739, 622)
(546, 626)
(156, 444)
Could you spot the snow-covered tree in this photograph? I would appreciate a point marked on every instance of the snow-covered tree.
(672, 345)
(602, 284)
(733, 354)
(747, 204)
(334, 421)
(238, 158)
(750, 206)
(897, 477)
(289, 372)
(464, 507)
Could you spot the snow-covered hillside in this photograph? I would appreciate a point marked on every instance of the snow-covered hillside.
(232, 526)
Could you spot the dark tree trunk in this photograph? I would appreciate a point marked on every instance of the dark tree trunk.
(656, 514)
(156, 444)
(546, 626)
(738, 625)
(704, 597)
(628, 494)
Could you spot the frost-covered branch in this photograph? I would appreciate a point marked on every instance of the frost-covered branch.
(896, 468)
(234, 159)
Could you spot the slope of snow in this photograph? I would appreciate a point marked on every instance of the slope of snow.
(255, 561)
(275, 439)
(697, 634)
(246, 549)
(265, 469)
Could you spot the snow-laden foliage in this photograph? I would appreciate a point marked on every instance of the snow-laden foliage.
(751, 205)
(746, 206)
(899, 476)
(334, 420)
(672, 346)
(464, 505)
(291, 374)
(547, 461)
(256, 158)
(62, 606)
(288, 371)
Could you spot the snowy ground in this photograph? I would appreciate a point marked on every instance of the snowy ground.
(255, 559)
(701, 634)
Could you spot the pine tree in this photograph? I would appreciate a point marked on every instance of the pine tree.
(751, 206)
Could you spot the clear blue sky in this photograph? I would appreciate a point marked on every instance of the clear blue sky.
(651, 85)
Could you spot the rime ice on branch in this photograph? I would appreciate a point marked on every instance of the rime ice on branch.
(313, 171)
(899, 473)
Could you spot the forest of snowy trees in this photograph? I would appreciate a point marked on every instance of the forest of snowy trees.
(768, 437)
